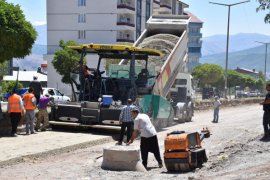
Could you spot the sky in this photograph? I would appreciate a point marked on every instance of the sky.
(34, 10)
(244, 18)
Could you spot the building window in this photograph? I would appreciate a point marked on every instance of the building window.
(138, 18)
(148, 10)
(195, 30)
(173, 6)
(180, 8)
(81, 34)
(81, 2)
(81, 18)
(194, 49)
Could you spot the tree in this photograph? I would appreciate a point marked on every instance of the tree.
(260, 84)
(3, 69)
(207, 74)
(66, 61)
(16, 34)
(264, 5)
(9, 86)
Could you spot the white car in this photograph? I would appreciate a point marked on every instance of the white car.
(56, 94)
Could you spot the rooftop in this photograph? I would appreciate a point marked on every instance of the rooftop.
(25, 76)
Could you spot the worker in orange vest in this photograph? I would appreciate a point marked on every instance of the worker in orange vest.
(29, 101)
(15, 110)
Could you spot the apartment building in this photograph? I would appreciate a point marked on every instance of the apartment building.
(195, 42)
(92, 21)
(97, 21)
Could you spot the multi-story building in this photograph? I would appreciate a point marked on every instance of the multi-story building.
(195, 42)
(97, 21)
(92, 21)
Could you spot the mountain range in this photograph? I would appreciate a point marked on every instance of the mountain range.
(244, 51)
(217, 43)
(33, 61)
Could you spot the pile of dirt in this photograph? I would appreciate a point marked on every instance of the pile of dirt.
(162, 42)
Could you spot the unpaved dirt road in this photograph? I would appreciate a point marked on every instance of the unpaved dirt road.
(234, 152)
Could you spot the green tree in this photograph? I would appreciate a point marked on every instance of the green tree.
(9, 86)
(16, 34)
(249, 81)
(66, 61)
(207, 74)
(264, 5)
(3, 69)
(260, 84)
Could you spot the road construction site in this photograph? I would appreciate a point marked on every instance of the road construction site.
(234, 151)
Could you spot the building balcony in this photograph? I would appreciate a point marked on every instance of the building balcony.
(195, 44)
(195, 34)
(157, 2)
(125, 36)
(167, 6)
(125, 23)
(125, 40)
(126, 6)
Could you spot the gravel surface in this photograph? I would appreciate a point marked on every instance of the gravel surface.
(234, 152)
(162, 42)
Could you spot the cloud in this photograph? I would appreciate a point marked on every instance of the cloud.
(39, 23)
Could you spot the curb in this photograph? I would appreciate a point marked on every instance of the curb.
(55, 152)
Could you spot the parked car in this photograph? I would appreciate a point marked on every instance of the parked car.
(56, 94)
(19, 91)
(253, 94)
(241, 94)
(53, 92)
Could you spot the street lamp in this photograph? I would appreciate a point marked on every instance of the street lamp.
(266, 44)
(227, 45)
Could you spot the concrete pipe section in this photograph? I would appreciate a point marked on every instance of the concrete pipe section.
(122, 158)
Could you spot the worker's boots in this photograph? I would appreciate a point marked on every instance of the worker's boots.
(265, 137)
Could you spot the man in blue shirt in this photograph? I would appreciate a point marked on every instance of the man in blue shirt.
(126, 121)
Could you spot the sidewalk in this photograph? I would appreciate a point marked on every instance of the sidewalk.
(23, 145)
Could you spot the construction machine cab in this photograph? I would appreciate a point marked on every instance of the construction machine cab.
(120, 88)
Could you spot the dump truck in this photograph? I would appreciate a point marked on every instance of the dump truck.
(172, 82)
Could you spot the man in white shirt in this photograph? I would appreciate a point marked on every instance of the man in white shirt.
(149, 141)
(217, 104)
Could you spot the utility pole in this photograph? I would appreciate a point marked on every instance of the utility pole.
(227, 45)
(265, 60)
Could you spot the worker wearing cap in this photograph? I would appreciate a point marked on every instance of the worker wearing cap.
(126, 121)
(43, 116)
(37, 87)
(15, 110)
(149, 141)
(29, 102)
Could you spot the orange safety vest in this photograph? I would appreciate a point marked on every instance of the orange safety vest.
(14, 105)
(27, 101)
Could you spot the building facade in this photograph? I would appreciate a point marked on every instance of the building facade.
(195, 42)
(96, 21)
